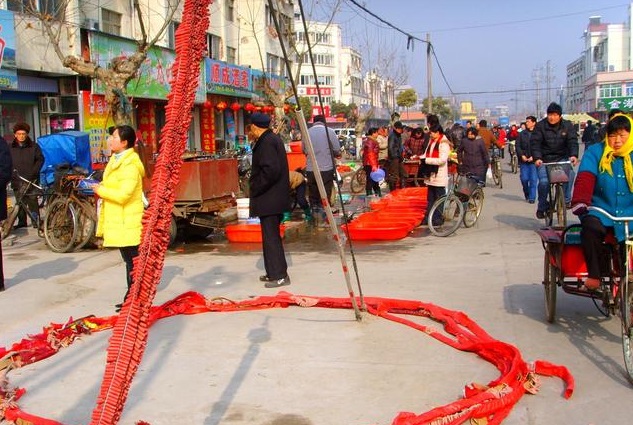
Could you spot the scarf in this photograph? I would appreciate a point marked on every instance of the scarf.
(624, 152)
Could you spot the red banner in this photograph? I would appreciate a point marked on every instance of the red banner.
(207, 127)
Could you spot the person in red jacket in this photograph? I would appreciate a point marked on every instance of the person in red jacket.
(371, 149)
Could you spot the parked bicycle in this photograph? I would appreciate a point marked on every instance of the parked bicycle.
(495, 166)
(462, 204)
(514, 159)
(71, 217)
(558, 175)
(27, 191)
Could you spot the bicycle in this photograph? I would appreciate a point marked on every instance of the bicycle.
(495, 165)
(514, 159)
(462, 204)
(71, 217)
(558, 175)
(13, 211)
(564, 267)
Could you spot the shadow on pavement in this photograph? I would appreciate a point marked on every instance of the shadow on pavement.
(46, 270)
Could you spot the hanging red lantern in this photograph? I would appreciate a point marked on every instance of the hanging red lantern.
(249, 107)
(259, 108)
(207, 104)
(268, 109)
(221, 106)
(286, 108)
(235, 106)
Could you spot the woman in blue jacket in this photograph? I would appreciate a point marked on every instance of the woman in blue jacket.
(605, 180)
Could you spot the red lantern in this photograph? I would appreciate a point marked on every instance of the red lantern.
(268, 109)
(207, 104)
(249, 107)
(286, 108)
(235, 106)
(221, 106)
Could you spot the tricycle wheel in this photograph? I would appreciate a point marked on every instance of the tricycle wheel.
(550, 280)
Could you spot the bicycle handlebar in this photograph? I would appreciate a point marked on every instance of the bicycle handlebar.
(557, 163)
(608, 215)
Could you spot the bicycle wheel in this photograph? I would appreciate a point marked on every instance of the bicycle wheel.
(626, 315)
(359, 179)
(86, 224)
(499, 173)
(473, 208)
(550, 281)
(514, 164)
(495, 173)
(560, 207)
(451, 211)
(60, 226)
(7, 224)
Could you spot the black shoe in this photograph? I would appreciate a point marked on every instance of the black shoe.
(531, 201)
(19, 226)
(117, 307)
(276, 283)
(265, 278)
(540, 214)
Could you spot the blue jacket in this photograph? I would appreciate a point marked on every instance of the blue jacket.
(610, 193)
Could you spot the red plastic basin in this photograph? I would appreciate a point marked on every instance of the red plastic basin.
(359, 231)
(247, 232)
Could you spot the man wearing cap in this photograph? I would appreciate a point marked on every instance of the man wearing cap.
(554, 139)
(326, 146)
(269, 196)
(27, 160)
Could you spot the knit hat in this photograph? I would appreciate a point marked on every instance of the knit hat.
(398, 125)
(554, 108)
(22, 126)
(260, 120)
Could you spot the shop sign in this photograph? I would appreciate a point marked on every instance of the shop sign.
(227, 79)
(97, 119)
(325, 91)
(625, 103)
(276, 83)
(8, 66)
(154, 74)
(207, 127)
(147, 124)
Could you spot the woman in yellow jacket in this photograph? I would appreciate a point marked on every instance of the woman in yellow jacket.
(121, 191)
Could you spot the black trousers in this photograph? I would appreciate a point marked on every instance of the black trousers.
(128, 253)
(370, 185)
(433, 194)
(592, 239)
(272, 247)
(313, 189)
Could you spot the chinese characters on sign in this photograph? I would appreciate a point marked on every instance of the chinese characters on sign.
(96, 122)
(312, 91)
(227, 79)
(207, 128)
(623, 103)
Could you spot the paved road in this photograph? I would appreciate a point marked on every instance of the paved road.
(315, 366)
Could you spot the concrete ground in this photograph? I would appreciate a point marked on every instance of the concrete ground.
(301, 366)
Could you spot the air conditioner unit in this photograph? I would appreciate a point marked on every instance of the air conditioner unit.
(91, 24)
(50, 105)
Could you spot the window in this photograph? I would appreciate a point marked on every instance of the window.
(54, 8)
(171, 34)
(229, 10)
(111, 22)
(274, 64)
(629, 89)
(15, 5)
(610, 90)
(214, 44)
(231, 55)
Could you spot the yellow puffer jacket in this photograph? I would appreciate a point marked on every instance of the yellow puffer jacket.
(122, 206)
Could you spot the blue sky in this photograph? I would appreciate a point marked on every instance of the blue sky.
(485, 45)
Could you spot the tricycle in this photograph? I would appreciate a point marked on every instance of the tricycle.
(564, 266)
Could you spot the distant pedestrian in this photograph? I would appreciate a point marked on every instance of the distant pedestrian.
(473, 156)
(370, 161)
(121, 192)
(269, 196)
(397, 175)
(326, 147)
(6, 169)
(589, 134)
(528, 173)
(27, 160)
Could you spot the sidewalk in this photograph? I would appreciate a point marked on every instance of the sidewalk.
(301, 366)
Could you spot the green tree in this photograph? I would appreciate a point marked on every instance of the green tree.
(407, 98)
(306, 107)
(441, 108)
(339, 108)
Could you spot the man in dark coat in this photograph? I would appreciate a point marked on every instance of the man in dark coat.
(473, 156)
(528, 173)
(27, 160)
(394, 150)
(589, 134)
(554, 140)
(269, 196)
(6, 168)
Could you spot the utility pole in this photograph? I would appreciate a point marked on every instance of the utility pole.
(536, 75)
(548, 76)
(429, 67)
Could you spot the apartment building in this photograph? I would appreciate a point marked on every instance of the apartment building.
(36, 88)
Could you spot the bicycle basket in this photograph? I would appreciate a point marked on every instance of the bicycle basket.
(465, 186)
(558, 173)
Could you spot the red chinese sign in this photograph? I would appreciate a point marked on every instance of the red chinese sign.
(207, 128)
(325, 91)
(147, 125)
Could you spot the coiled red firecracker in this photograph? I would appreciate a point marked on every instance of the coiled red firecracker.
(129, 336)
(491, 402)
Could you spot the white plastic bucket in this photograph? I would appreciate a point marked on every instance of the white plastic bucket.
(242, 208)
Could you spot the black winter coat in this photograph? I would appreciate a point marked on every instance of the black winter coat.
(554, 143)
(6, 168)
(473, 156)
(269, 181)
(27, 159)
(524, 144)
